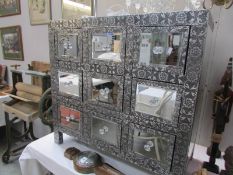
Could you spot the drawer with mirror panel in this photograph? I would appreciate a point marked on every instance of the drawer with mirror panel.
(69, 45)
(149, 148)
(105, 47)
(70, 84)
(158, 53)
(156, 101)
(105, 133)
(103, 90)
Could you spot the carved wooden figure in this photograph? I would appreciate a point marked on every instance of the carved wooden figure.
(222, 104)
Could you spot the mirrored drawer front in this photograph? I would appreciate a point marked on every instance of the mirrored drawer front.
(69, 45)
(157, 50)
(70, 83)
(106, 131)
(155, 99)
(104, 90)
(70, 118)
(153, 146)
(105, 45)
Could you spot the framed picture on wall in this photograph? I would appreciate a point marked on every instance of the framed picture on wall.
(39, 11)
(11, 42)
(9, 7)
(77, 8)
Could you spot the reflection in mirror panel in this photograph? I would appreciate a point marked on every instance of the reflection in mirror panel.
(159, 48)
(69, 117)
(150, 145)
(69, 83)
(106, 46)
(68, 45)
(155, 101)
(105, 90)
(105, 130)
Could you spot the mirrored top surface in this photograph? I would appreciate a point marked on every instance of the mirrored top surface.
(69, 83)
(106, 46)
(159, 48)
(105, 90)
(155, 101)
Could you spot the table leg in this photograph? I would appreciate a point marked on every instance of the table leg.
(6, 155)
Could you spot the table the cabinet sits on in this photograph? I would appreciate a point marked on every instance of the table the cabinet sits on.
(43, 155)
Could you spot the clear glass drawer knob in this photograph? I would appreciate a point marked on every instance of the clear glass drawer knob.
(103, 130)
(148, 146)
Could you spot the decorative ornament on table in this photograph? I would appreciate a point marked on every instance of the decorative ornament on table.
(86, 162)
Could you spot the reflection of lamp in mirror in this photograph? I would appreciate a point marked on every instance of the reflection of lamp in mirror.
(208, 4)
(82, 7)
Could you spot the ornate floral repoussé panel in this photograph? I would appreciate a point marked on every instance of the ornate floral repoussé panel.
(127, 85)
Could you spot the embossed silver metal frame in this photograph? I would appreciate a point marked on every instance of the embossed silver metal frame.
(64, 34)
(145, 162)
(189, 82)
(159, 72)
(101, 66)
(87, 80)
(146, 117)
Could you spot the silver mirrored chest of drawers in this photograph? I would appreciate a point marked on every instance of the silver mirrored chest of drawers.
(127, 85)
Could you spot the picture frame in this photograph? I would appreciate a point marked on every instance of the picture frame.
(11, 42)
(77, 8)
(39, 11)
(9, 8)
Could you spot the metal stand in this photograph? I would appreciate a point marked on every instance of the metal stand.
(10, 138)
(27, 135)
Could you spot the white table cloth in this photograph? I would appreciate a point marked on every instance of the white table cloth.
(43, 155)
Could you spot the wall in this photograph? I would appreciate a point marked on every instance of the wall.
(35, 44)
(35, 38)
